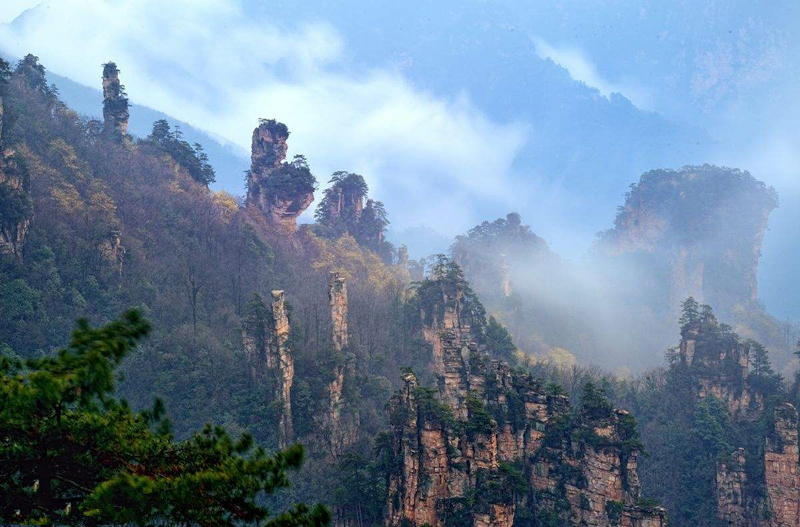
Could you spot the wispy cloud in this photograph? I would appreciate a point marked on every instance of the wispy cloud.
(208, 63)
(582, 69)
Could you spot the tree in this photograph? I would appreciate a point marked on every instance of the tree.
(690, 313)
(499, 341)
(762, 377)
(594, 402)
(190, 157)
(72, 453)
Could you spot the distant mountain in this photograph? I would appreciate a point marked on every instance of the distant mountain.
(229, 160)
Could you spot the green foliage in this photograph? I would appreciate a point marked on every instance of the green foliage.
(360, 488)
(762, 377)
(479, 420)
(690, 314)
(594, 402)
(498, 341)
(614, 511)
(446, 287)
(430, 409)
(290, 179)
(192, 158)
(342, 210)
(71, 452)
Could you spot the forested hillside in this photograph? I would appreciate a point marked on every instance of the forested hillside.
(411, 398)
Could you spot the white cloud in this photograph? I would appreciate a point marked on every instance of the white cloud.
(210, 64)
(13, 8)
(582, 69)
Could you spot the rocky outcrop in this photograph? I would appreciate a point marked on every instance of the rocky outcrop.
(721, 369)
(343, 210)
(777, 504)
(280, 191)
(115, 103)
(702, 227)
(782, 468)
(716, 361)
(731, 490)
(113, 252)
(341, 422)
(265, 335)
(491, 445)
(337, 298)
(15, 218)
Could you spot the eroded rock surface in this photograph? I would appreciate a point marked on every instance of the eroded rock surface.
(280, 191)
(341, 422)
(703, 226)
(265, 335)
(491, 445)
(115, 103)
(16, 215)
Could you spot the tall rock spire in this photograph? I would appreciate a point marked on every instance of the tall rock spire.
(342, 429)
(280, 191)
(16, 216)
(115, 103)
(265, 336)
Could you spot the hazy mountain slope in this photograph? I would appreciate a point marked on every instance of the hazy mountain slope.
(228, 160)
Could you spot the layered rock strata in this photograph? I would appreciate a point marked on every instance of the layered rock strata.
(491, 446)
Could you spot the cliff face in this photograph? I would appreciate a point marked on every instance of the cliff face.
(701, 226)
(717, 362)
(115, 103)
(491, 445)
(721, 370)
(15, 215)
(782, 468)
(264, 337)
(280, 191)
(341, 425)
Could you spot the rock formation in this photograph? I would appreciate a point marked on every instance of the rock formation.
(280, 191)
(112, 251)
(491, 445)
(739, 502)
(342, 210)
(341, 429)
(15, 217)
(731, 485)
(782, 468)
(115, 103)
(265, 334)
(720, 369)
(700, 226)
(717, 362)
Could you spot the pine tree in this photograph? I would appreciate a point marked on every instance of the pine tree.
(72, 453)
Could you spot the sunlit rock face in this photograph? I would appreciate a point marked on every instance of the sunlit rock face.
(491, 445)
(281, 191)
(699, 229)
(115, 103)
